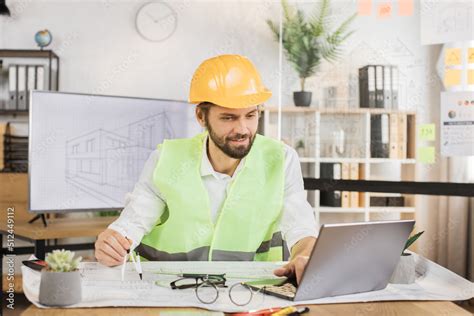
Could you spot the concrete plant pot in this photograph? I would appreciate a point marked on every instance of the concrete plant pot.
(60, 288)
(405, 271)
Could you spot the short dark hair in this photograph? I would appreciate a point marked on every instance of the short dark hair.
(206, 106)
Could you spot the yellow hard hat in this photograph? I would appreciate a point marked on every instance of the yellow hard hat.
(230, 81)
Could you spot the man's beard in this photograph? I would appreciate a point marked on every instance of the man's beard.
(223, 143)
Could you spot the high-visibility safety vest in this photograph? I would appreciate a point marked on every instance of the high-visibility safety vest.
(246, 227)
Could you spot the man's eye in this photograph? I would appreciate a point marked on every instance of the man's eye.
(251, 115)
(226, 118)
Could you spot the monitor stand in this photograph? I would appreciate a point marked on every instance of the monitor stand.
(43, 219)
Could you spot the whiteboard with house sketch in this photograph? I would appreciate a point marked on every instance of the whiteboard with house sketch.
(86, 151)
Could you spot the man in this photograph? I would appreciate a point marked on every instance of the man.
(226, 194)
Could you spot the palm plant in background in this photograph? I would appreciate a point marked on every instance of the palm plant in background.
(309, 41)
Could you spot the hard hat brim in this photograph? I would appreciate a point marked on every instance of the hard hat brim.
(241, 102)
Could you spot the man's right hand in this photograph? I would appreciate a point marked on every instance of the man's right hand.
(111, 247)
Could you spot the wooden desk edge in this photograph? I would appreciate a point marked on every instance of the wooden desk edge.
(370, 308)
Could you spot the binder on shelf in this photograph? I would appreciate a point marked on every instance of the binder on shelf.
(2, 133)
(379, 136)
(3, 86)
(330, 171)
(354, 175)
(379, 86)
(379, 201)
(387, 87)
(402, 136)
(367, 87)
(12, 88)
(345, 195)
(31, 79)
(393, 143)
(39, 78)
(396, 201)
(395, 83)
(362, 195)
(387, 201)
(21, 87)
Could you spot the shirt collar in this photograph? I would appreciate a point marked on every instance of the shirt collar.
(206, 166)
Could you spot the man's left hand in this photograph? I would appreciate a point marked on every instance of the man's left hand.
(299, 259)
(294, 267)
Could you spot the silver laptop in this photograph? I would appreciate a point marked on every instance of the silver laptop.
(347, 258)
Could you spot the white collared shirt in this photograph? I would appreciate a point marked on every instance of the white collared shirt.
(144, 205)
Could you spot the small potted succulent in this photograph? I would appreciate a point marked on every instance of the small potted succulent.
(405, 270)
(61, 280)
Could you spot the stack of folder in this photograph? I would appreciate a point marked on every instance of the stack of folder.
(337, 171)
(388, 136)
(378, 86)
(15, 147)
(2, 133)
(22, 79)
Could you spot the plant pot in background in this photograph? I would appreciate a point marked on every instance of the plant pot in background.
(60, 288)
(302, 98)
(405, 271)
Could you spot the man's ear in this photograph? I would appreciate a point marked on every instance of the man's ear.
(200, 117)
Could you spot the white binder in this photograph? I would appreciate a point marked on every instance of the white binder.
(39, 78)
(21, 87)
(12, 88)
(387, 87)
(395, 83)
(31, 83)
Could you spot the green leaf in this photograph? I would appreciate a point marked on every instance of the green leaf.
(412, 239)
(308, 41)
(62, 261)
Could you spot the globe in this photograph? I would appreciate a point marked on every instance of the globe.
(43, 38)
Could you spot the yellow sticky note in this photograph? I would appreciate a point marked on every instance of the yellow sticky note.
(452, 57)
(427, 132)
(470, 76)
(426, 154)
(470, 55)
(452, 77)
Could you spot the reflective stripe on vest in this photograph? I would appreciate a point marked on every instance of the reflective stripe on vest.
(246, 227)
(202, 253)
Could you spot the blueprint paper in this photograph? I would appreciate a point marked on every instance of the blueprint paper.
(102, 286)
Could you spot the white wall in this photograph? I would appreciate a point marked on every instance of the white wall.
(101, 51)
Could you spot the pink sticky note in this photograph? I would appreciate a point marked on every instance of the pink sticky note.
(384, 10)
(405, 7)
(365, 7)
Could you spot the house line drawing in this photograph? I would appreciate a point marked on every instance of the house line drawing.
(107, 163)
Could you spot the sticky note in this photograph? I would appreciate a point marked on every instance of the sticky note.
(452, 77)
(452, 57)
(427, 132)
(364, 7)
(405, 7)
(470, 55)
(470, 76)
(384, 10)
(426, 154)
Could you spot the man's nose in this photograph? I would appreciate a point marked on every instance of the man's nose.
(241, 127)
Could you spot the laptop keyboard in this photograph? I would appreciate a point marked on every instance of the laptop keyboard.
(286, 289)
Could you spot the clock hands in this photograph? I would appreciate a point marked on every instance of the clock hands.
(161, 18)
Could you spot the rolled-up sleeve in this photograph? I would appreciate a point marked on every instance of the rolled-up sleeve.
(298, 219)
(143, 206)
